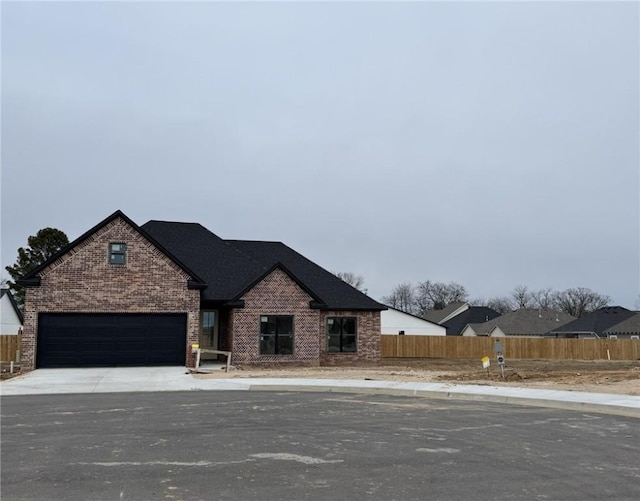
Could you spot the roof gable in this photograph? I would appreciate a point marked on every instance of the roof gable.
(280, 266)
(496, 331)
(469, 330)
(335, 294)
(32, 277)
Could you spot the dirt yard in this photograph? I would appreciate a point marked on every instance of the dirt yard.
(593, 376)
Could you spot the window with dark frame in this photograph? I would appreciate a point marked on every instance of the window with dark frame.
(208, 328)
(342, 334)
(276, 335)
(117, 253)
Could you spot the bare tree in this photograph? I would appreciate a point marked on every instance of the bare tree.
(352, 279)
(437, 295)
(545, 299)
(402, 298)
(522, 297)
(477, 301)
(422, 302)
(502, 304)
(579, 301)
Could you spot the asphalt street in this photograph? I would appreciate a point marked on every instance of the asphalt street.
(316, 446)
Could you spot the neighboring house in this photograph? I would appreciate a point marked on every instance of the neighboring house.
(473, 314)
(594, 324)
(12, 319)
(523, 323)
(447, 313)
(123, 294)
(399, 322)
(627, 329)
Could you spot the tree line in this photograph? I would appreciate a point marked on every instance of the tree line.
(426, 296)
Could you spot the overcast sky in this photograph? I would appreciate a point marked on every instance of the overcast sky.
(494, 144)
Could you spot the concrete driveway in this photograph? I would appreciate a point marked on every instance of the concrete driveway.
(109, 380)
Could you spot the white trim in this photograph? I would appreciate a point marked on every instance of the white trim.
(464, 307)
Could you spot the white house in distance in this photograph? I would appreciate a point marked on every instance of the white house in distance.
(10, 315)
(398, 322)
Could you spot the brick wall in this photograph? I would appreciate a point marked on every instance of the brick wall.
(82, 281)
(276, 294)
(368, 344)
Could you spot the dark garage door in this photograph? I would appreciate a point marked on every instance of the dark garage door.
(103, 340)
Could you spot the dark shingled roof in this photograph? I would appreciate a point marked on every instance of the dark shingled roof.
(524, 322)
(436, 316)
(475, 314)
(595, 322)
(230, 266)
(331, 290)
(630, 326)
(225, 269)
(221, 267)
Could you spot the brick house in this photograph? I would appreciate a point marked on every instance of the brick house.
(123, 294)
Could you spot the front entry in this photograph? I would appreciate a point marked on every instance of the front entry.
(209, 332)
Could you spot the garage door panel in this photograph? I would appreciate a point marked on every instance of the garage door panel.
(157, 358)
(105, 340)
(133, 358)
(94, 359)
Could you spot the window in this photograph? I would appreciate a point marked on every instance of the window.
(276, 335)
(342, 334)
(208, 337)
(117, 253)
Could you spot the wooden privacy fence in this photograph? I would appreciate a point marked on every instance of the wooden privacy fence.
(393, 346)
(9, 344)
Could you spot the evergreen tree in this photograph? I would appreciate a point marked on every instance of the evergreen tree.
(40, 247)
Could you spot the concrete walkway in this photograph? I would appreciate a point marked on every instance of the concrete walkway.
(134, 379)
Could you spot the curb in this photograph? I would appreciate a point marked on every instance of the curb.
(80, 381)
(600, 408)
